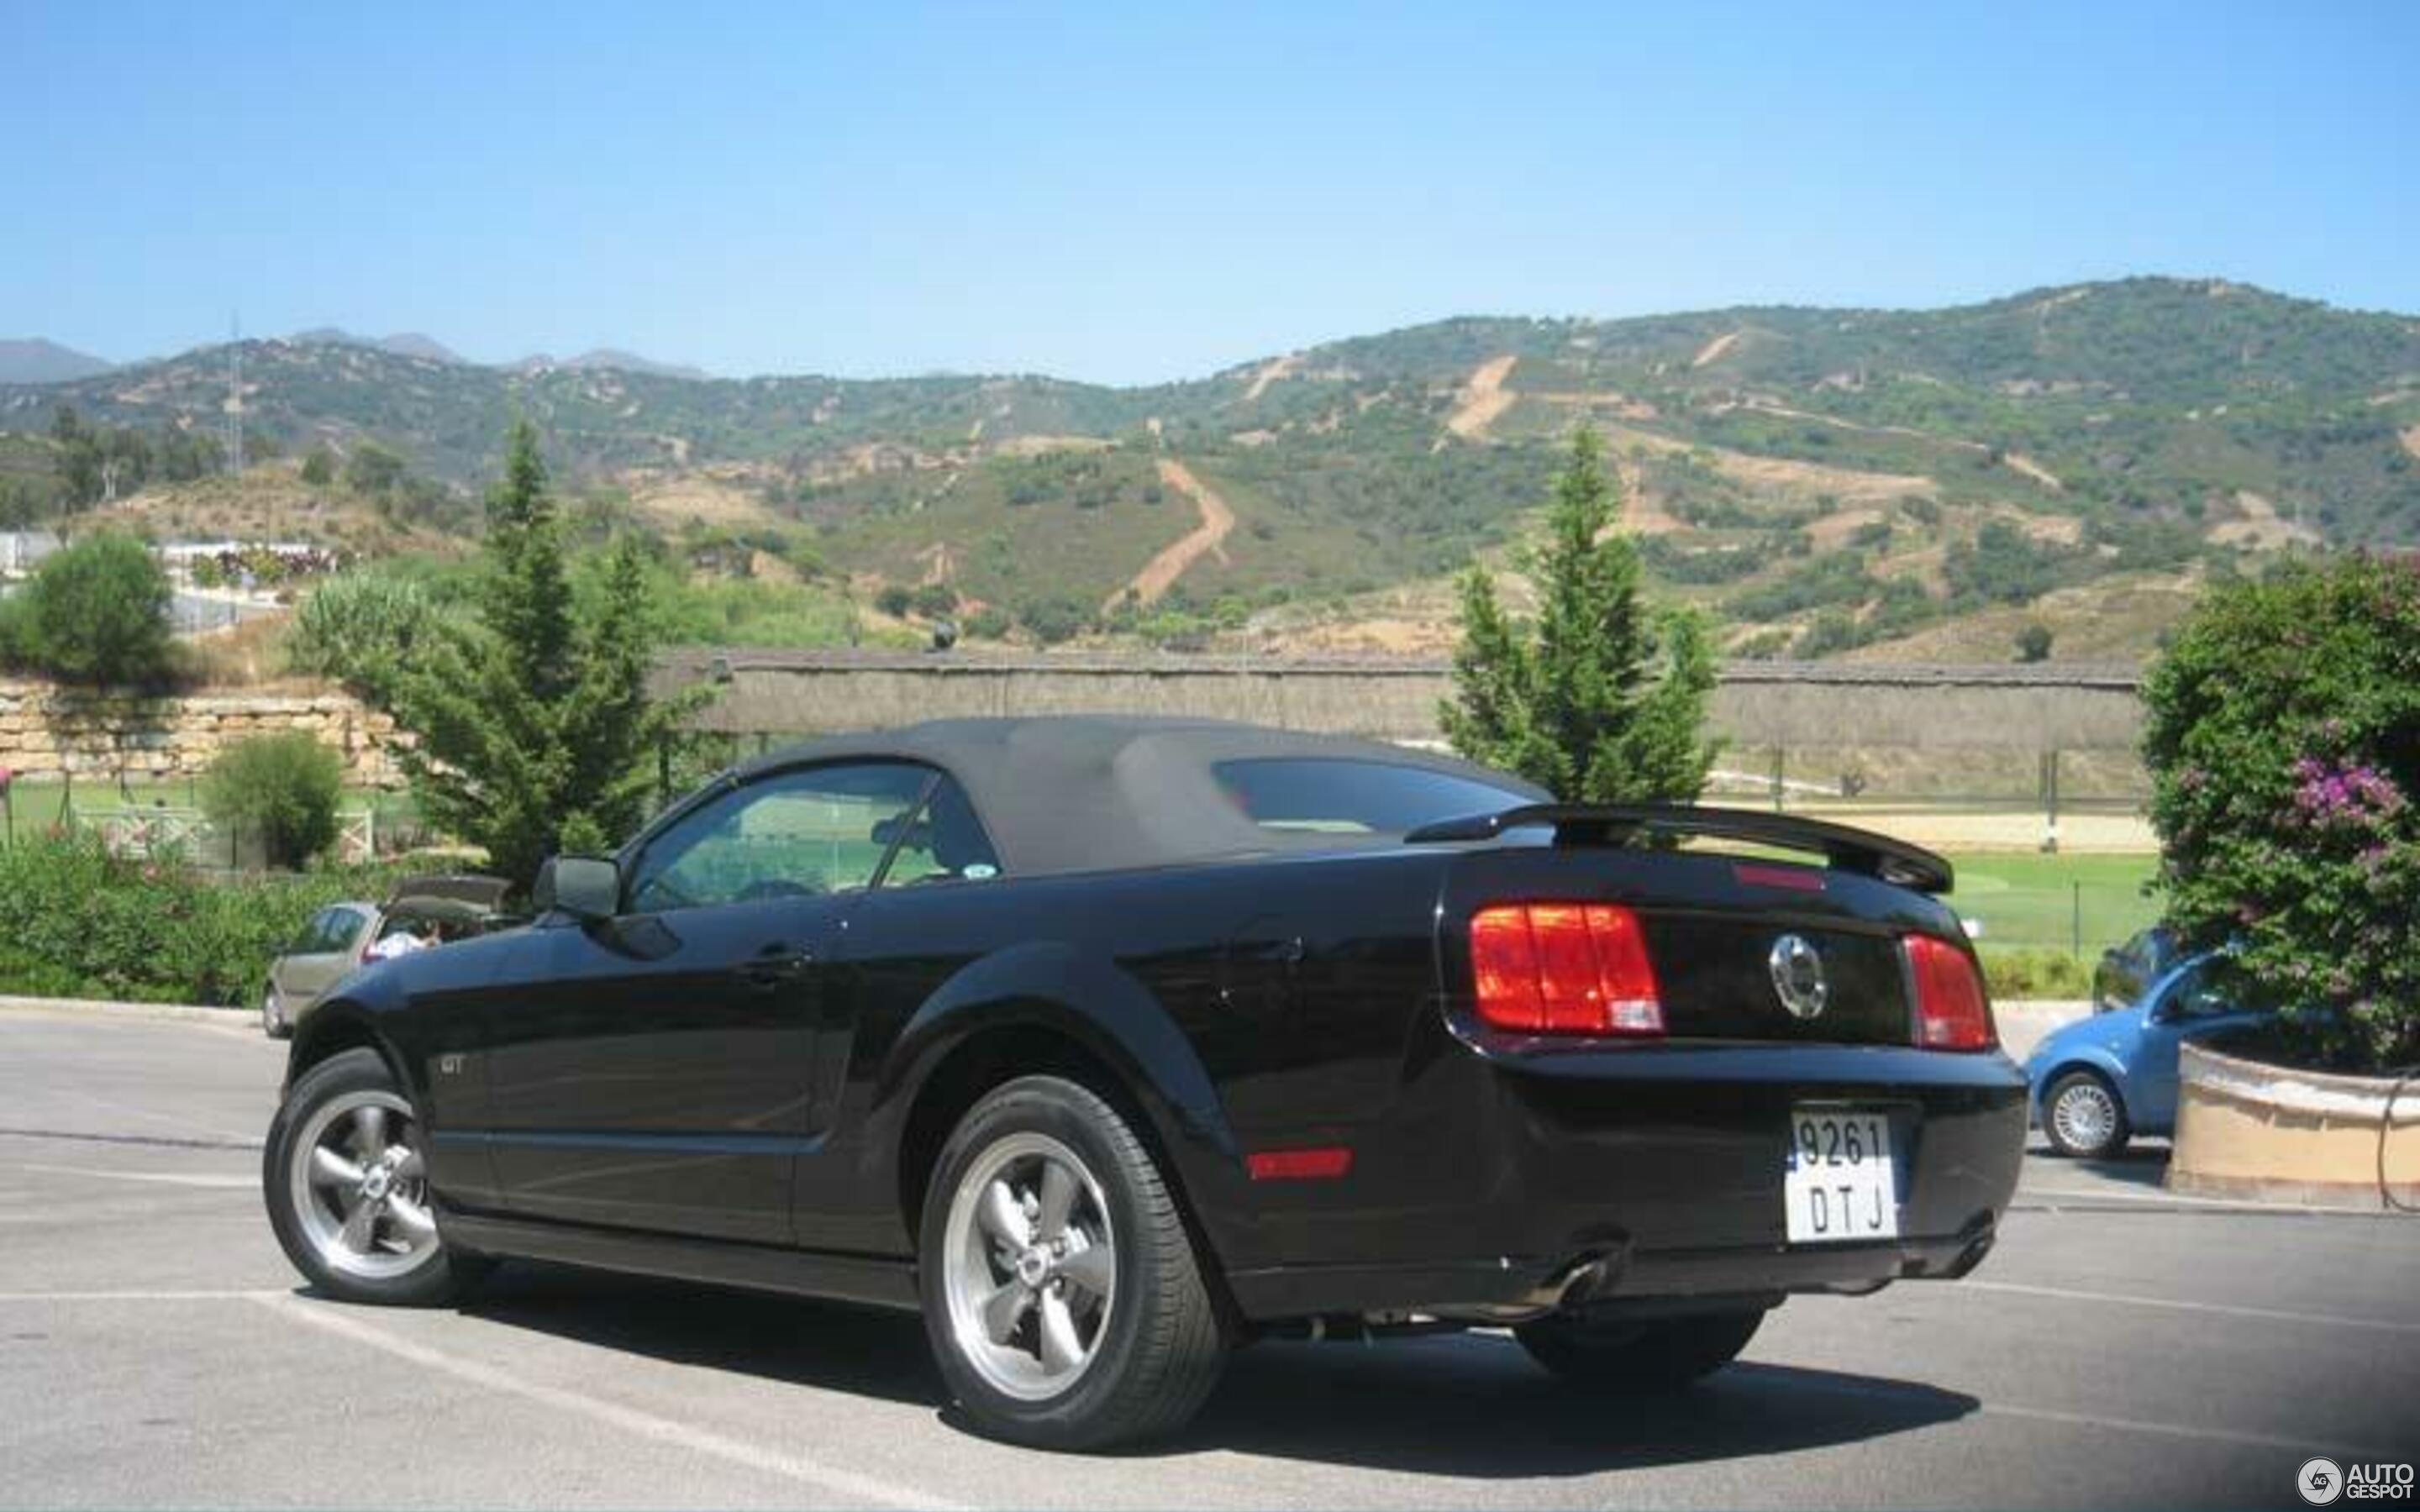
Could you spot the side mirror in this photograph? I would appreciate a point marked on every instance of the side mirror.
(584, 886)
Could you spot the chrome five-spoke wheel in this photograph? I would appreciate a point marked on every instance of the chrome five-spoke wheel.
(360, 1191)
(1030, 1266)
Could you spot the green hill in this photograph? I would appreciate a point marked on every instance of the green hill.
(1830, 479)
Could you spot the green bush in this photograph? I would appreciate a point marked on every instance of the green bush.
(97, 612)
(283, 788)
(78, 922)
(2019, 974)
(358, 628)
(1054, 617)
(16, 634)
(2284, 742)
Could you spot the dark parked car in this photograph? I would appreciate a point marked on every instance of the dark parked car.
(2125, 970)
(1112, 1044)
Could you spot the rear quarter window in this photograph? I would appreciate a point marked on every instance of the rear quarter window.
(1332, 795)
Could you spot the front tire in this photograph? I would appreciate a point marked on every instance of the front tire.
(2083, 1117)
(1062, 1294)
(1645, 1355)
(345, 1178)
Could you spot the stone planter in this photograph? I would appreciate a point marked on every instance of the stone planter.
(2278, 1134)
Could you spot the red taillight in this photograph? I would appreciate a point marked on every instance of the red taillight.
(1950, 1011)
(1563, 968)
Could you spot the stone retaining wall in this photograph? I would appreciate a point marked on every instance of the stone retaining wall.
(47, 733)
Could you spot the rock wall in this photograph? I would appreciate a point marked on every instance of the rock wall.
(47, 733)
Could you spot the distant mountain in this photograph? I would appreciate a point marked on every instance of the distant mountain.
(618, 360)
(402, 344)
(36, 361)
(1826, 480)
(427, 348)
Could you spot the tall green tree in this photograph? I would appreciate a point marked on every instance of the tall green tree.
(534, 720)
(97, 612)
(1601, 699)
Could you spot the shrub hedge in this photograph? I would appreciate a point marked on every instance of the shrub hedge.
(2284, 744)
(76, 921)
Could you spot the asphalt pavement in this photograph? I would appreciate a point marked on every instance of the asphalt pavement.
(2121, 1348)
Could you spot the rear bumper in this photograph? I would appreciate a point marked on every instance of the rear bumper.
(1651, 1170)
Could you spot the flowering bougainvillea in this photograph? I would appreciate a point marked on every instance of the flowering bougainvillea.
(2283, 741)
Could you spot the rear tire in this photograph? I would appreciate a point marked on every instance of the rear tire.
(1062, 1294)
(1651, 1354)
(345, 1178)
(2083, 1118)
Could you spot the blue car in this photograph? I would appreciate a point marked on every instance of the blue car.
(2099, 1081)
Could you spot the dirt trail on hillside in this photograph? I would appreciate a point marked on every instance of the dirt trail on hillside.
(1484, 398)
(1713, 350)
(1286, 366)
(1642, 512)
(2410, 438)
(1160, 572)
(2261, 526)
(2018, 462)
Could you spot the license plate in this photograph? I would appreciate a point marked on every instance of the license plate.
(1841, 1184)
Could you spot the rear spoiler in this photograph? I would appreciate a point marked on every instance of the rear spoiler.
(1587, 823)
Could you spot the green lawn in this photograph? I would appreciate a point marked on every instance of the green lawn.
(2081, 903)
(33, 807)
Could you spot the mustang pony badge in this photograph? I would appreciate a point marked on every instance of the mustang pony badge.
(1798, 977)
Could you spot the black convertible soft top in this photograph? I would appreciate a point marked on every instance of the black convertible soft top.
(1092, 793)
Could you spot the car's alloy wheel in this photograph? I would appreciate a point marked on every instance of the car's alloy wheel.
(273, 1023)
(1029, 1265)
(346, 1179)
(2084, 1116)
(359, 1188)
(1062, 1296)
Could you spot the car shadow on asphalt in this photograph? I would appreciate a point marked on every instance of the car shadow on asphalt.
(1475, 1406)
(1469, 1405)
(823, 1345)
(2141, 1164)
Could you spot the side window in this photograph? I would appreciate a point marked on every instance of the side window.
(942, 843)
(804, 833)
(312, 937)
(343, 929)
(2197, 995)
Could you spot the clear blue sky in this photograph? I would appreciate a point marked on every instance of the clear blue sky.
(1127, 193)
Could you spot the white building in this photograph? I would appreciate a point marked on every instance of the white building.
(21, 551)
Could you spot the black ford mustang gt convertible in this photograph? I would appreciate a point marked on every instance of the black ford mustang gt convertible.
(1112, 1043)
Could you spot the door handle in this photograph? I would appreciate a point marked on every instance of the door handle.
(776, 966)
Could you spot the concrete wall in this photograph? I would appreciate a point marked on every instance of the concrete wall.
(46, 731)
(2028, 708)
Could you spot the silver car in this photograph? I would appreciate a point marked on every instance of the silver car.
(337, 940)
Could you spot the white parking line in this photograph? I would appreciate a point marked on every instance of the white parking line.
(161, 1178)
(2126, 1425)
(2178, 1431)
(846, 1485)
(2274, 1315)
(138, 1296)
